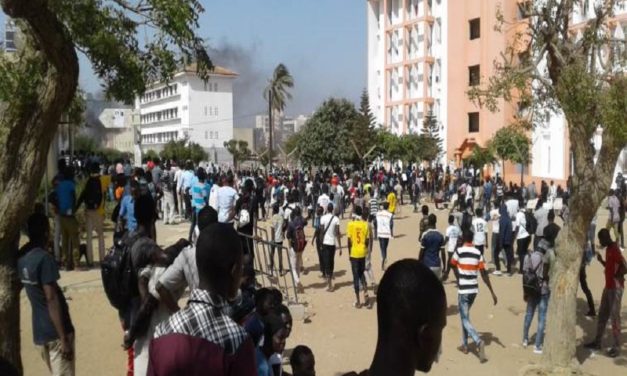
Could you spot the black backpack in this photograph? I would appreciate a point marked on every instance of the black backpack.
(93, 193)
(532, 284)
(119, 278)
(532, 223)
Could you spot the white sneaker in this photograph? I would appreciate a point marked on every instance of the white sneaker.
(537, 350)
(525, 343)
(497, 272)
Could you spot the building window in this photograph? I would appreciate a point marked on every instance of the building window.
(206, 135)
(475, 28)
(473, 122)
(215, 86)
(215, 111)
(474, 75)
(205, 110)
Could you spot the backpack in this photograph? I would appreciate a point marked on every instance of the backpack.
(532, 223)
(532, 284)
(93, 193)
(300, 242)
(119, 278)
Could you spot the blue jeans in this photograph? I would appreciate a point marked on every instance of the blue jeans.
(542, 304)
(465, 302)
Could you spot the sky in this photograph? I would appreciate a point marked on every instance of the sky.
(322, 43)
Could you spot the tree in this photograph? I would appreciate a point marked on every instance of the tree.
(433, 141)
(183, 150)
(512, 144)
(149, 155)
(85, 144)
(197, 153)
(277, 94)
(481, 157)
(578, 75)
(38, 84)
(264, 156)
(325, 138)
(239, 150)
(365, 110)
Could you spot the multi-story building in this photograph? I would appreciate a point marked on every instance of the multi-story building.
(284, 127)
(10, 36)
(456, 49)
(189, 108)
(406, 40)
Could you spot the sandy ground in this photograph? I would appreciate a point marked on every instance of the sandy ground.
(342, 337)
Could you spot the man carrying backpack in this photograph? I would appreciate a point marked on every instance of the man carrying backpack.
(536, 293)
(93, 197)
(297, 242)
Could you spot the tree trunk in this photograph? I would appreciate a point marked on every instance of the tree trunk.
(29, 123)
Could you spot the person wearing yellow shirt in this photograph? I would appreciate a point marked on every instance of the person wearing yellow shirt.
(358, 237)
(391, 201)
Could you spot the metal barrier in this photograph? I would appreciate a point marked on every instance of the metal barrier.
(261, 246)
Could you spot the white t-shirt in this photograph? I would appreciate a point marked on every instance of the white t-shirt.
(323, 201)
(521, 225)
(512, 207)
(329, 237)
(227, 196)
(479, 228)
(453, 232)
(384, 221)
(213, 197)
(287, 212)
(494, 214)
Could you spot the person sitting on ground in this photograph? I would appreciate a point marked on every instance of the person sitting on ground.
(302, 361)
(411, 315)
(201, 336)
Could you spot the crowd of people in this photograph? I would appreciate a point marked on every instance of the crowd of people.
(232, 325)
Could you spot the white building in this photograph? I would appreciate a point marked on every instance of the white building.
(405, 57)
(284, 127)
(188, 108)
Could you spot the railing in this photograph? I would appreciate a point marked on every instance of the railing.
(262, 245)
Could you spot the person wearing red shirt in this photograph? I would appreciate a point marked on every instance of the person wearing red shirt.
(614, 265)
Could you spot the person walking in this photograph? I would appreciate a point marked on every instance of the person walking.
(329, 231)
(614, 268)
(467, 264)
(199, 190)
(384, 232)
(536, 293)
(53, 332)
(66, 195)
(168, 203)
(358, 235)
(479, 228)
(522, 238)
(296, 237)
(93, 197)
(432, 248)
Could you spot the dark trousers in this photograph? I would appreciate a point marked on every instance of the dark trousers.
(383, 243)
(584, 287)
(188, 205)
(192, 225)
(328, 260)
(358, 266)
(480, 248)
(522, 247)
(509, 255)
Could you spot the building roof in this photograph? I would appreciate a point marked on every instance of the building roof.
(217, 70)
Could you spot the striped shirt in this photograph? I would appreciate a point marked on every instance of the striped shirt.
(468, 261)
(374, 206)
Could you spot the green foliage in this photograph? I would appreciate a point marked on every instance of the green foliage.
(108, 33)
(432, 142)
(182, 150)
(278, 86)
(238, 149)
(325, 140)
(511, 144)
(481, 157)
(264, 156)
(85, 144)
(365, 110)
(149, 155)
(613, 108)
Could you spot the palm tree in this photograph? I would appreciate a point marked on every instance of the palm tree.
(276, 93)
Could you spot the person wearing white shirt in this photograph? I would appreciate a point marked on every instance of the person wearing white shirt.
(330, 233)
(178, 179)
(227, 197)
(512, 207)
(323, 200)
(494, 221)
(384, 231)
(453, 234)
(479, 228)
(522, 238)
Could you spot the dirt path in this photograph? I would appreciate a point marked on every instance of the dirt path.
(341, 337)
